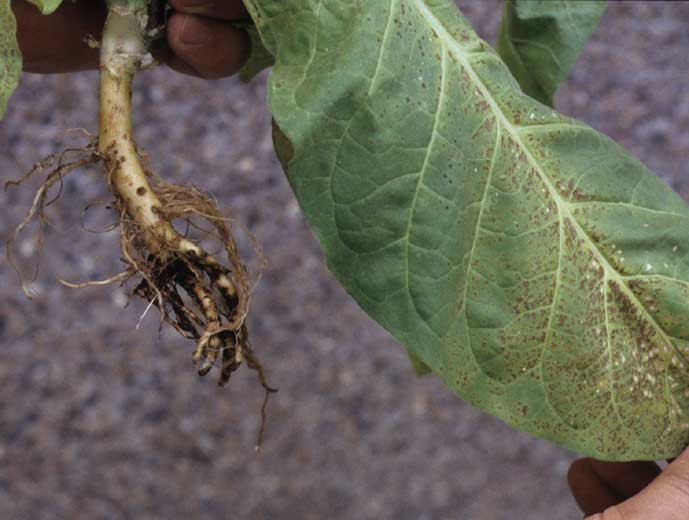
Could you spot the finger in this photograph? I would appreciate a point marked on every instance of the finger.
(667, 497)
(591, 493)
(625, 479)
(222, 10)
(55, 43)
(205, 47)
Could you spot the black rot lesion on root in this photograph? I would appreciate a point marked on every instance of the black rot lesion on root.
(205, 301)
(199, 296)
(202, 298)
(193, 296)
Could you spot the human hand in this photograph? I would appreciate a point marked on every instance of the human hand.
(201, 40)
(631, 490)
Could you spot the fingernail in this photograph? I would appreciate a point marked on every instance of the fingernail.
(194, 32)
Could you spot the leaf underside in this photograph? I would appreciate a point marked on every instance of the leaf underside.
(10, 57)
(46, 6)
(530, 261)
(259, 57)
(540, 40)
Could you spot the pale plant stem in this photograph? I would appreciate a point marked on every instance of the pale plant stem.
(169, 261)
(122, 49)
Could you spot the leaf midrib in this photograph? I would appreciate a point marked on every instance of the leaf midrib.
(562, 206)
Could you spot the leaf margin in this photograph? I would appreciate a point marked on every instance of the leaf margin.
(286, 152)
(558, 39)
(10, 56)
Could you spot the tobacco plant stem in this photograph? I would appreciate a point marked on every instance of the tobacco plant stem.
(122, 49)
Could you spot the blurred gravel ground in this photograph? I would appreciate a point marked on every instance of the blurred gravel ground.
(100, 420)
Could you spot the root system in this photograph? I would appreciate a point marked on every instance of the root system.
(204, 296)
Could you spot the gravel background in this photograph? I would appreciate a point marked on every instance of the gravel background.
(101, 420)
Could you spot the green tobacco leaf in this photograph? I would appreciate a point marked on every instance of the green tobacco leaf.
(419, 367)
(540, 40)
(531, 262)
(259, 58)
(10, 57)
(46, 6)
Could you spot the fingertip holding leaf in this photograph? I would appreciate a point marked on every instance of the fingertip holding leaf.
(528, 260)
